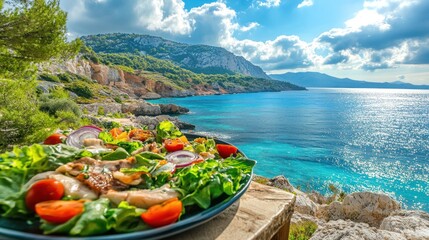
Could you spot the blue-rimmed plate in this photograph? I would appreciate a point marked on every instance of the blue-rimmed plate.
(20, 229)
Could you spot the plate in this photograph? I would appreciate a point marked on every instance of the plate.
(19, 229)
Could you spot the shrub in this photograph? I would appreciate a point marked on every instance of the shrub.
(101, 111)
(302, 230)
(53, 106)
(59, 93)
(117, 99)
(65, 77)
(21, 121)
(49, 77)
(81, 89)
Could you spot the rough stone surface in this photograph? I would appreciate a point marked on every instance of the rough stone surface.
(150, 95)
(348, 230)
(282, 183)
(172, 109)
(300, 217)
(317, 197)
(93, 108)
(141, 108)
(413, 224)
(365, 207)
(304, 205)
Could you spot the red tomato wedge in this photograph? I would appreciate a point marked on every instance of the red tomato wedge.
(54, 139)
(172, 145)
(43, 190)
(59, 211)
(163, 214)
(226, 150)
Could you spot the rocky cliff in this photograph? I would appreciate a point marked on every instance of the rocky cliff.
(197, 58)
(142, 84)
(359, 215)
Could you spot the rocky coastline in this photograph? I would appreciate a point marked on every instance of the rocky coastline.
(359, 215)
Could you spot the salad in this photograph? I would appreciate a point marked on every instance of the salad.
(96, 181)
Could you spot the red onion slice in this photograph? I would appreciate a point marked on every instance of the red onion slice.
(76, 138)
(182, 158)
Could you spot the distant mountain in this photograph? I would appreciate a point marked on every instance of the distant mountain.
(315, 79)
(197, 58)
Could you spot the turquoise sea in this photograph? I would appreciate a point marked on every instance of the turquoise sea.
(357, 139)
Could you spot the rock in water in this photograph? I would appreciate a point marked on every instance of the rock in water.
(348, 230)
(413, 224)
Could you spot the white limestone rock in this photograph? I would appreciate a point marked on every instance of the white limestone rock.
(365, 207)
(413, 224)
(348, 230)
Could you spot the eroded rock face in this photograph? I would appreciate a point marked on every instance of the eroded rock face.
(96, 108)
(305, 205)
(413, 224)
(282, 183)
(172, 109)
(341, 229)
(365, 207)
(141, 108)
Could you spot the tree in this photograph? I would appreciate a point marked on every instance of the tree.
(31, 31)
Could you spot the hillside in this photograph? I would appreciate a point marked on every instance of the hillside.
(197, 58)
(315, 79)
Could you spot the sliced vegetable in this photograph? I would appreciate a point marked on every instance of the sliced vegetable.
(226, 150)
(140, 134)
(59, 211)
(163, 214)
(54, 139)
(43, 190)
(76, 138)
(115, 132)
(172, 145)
(182, 158)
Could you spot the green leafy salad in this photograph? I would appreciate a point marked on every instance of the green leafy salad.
(97, 181)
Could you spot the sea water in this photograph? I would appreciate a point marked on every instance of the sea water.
(356, 139)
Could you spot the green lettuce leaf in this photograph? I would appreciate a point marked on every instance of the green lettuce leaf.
(167, 129)
(201, 183)
(20, 164)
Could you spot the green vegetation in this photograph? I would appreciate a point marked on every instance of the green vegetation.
(81, 89)
(181, 78)
(337, 194)
(21, 120)
(302, 230)
(31, 32)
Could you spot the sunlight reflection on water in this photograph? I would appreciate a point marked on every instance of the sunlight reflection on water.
(358, 139)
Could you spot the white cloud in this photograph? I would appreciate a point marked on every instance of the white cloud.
(384, 34)
(268, 3)
(284, 52)
(305, 3)
(249, 27)
(167, 16)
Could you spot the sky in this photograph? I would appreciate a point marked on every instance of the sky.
(372, 40)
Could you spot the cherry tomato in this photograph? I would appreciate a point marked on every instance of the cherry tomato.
(226, 150)
(43, 190)
(140, 134)
(172, 145)
(59, 211)
(115, 132)
(54, 139)
(163, 214)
